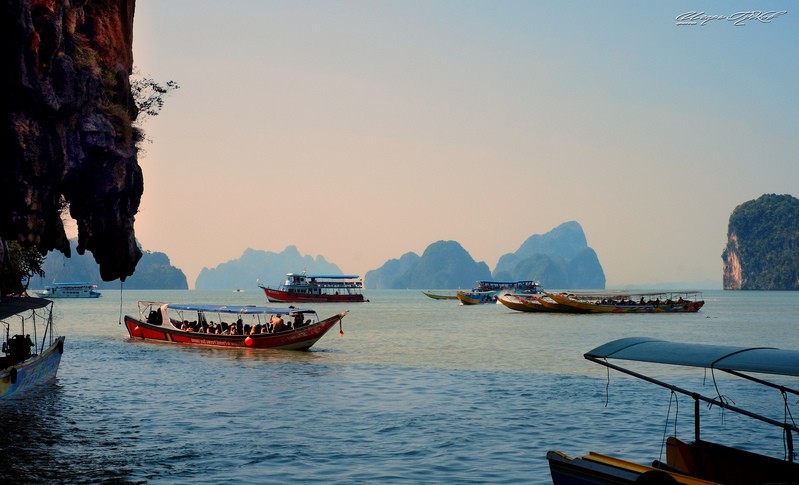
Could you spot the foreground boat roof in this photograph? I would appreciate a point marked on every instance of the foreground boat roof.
(766, 360)
(16, 305)
(234, 309)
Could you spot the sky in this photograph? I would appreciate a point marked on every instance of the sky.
(363, 130)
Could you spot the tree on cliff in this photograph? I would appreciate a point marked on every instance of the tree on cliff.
(762, 250)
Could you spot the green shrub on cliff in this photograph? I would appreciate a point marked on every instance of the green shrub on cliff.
(763, 235)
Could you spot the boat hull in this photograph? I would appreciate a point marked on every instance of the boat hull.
(281, 296)
(293, 339)
(587, 307)
(521, 304)
(477, 297)
(19, 379)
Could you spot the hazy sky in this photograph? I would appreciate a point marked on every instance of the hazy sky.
(361, 130)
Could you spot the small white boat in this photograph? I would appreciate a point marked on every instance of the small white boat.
(79, 289)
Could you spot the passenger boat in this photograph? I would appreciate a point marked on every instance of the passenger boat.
(28, 363)
(252, 326)
(307, 288)
(78, 289)
(631, 302)
(439, 296)
(488, 291)
(699, 462)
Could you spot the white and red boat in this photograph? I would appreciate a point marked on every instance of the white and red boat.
(313, 288)
(243, 326)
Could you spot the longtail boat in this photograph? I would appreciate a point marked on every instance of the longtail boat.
(439, 296)
(244, 326)
(523, 303)
(28, 363)
(488, 291)
(316, 288)
(631, 302)
(701, 461)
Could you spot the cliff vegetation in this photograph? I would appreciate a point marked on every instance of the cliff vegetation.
(762, 250)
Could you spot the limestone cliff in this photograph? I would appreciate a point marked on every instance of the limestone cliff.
(762, 250)
(66, 128)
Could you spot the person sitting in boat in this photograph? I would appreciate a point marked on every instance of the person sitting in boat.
(277, 323)
(297, 320)
(256, 329)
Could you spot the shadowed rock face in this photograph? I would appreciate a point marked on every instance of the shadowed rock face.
(65, 128)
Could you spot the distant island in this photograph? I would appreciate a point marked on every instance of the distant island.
(153, 272)
(762, 250)
(560, 258)
(266, 267)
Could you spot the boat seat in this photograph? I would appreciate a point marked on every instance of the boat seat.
(730, 466)
(648, 474)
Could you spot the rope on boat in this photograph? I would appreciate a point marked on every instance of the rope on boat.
(120, 301)
(673, 397)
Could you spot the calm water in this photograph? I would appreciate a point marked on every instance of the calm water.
(416, 391)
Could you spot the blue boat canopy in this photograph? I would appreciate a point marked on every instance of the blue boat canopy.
(765, 360)
(16, 305)
(237, 309)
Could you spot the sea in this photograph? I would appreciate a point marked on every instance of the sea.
(415, 390)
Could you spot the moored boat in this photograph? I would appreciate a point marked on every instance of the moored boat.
(439, 296)
(77, 289)
(28, 363)
(244, 326)
(523, 303)
(702, 461)
(488, 291)
(631, 302)
(316, 288)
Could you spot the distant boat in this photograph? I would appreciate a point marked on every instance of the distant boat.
(631, 302)
(26, 364)
(242, 326)
(488, 291)
(438, 296)
(79, 289)
(316, 288)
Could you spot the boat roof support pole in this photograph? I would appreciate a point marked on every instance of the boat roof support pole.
(715, 402)
(696, 417)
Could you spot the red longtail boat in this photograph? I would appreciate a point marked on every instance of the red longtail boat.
(242, 326)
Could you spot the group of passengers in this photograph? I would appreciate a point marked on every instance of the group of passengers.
(275, 325)
(642, 301)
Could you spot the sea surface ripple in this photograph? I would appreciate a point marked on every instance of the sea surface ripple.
(415, 391)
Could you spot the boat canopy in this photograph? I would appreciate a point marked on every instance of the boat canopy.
(765, 360)
(327, 276)
(630, 294)
(14, 306)
(235, 309)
